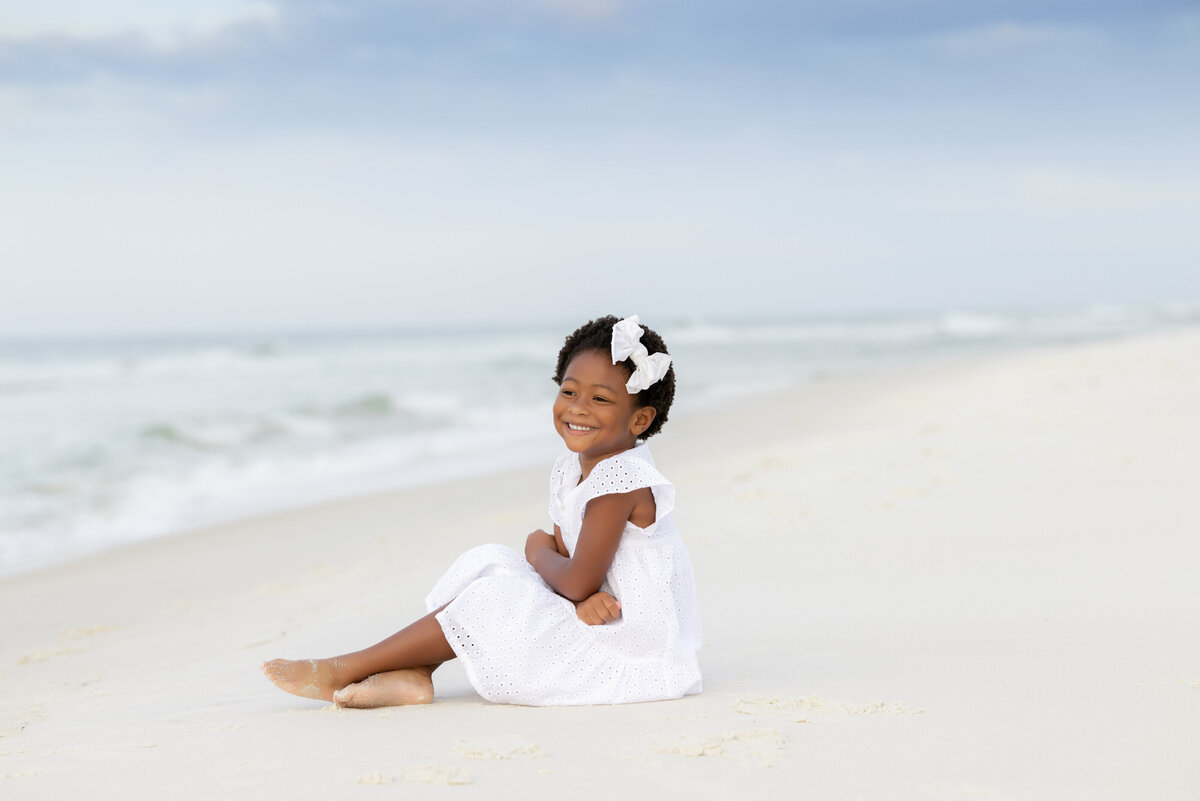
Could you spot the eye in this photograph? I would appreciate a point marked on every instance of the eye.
(568, 393)
(601, 399)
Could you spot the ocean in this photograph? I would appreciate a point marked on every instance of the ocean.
(106, 441)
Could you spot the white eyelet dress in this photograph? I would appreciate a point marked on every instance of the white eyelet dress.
(521, 643)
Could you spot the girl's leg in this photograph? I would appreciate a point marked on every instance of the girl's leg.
(416, 649)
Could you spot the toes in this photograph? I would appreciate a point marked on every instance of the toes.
(352, 696)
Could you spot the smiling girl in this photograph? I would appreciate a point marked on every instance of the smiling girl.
(602, 611)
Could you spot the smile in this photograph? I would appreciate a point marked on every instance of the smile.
(575, 427)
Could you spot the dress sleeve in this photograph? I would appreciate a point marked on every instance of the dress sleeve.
(627, 472)
(558, 474)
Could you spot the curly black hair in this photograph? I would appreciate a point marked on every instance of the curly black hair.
(597, 335)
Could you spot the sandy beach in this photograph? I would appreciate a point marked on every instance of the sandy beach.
(967, 580)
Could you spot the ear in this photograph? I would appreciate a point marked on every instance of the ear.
(642, 418)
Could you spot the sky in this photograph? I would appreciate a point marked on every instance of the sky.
(218, 165)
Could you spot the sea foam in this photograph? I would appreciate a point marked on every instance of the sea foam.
(104, 442)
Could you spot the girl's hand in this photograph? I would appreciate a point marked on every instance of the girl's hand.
(538, 541)
(598, 609)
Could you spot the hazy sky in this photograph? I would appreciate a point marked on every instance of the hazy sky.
(216, 164)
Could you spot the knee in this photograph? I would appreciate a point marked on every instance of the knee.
(499, 560)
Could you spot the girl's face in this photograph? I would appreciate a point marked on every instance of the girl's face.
(593, 413)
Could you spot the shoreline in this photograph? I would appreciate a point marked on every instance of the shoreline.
(943, 581)
(531, 456)
(813, 390)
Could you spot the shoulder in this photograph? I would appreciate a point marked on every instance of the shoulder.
(563, 463)
(625, 472)
(632, 474)
(565, 471)
(567, 464)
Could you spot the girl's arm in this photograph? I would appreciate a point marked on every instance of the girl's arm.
(577, 576)
(599, 607)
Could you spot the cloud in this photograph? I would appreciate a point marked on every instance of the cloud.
(1011, 38)
(165, 25)
(536, 70)
(1056, 188)
(257, 43)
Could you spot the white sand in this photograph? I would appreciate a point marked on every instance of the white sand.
(957, 582)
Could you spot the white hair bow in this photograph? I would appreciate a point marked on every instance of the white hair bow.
(627, 344)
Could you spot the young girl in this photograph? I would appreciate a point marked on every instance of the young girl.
(602, 611)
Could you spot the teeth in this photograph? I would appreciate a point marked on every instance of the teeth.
(574, 427)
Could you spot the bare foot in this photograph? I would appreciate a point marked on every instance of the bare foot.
(309, 678)
(392, 688)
